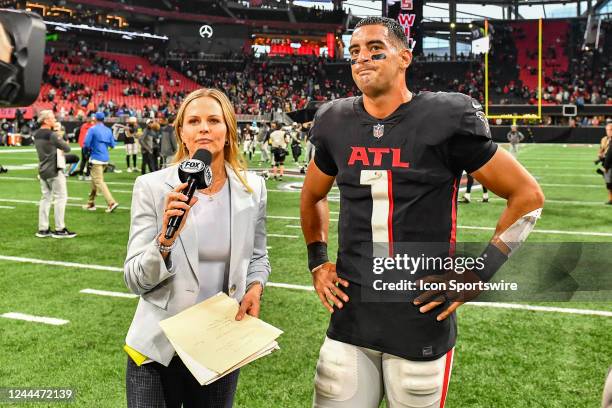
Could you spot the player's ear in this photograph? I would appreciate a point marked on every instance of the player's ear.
(405, 57)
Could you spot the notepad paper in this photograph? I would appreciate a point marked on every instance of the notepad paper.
(211, 343)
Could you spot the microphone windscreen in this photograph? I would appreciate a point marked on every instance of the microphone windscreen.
(203, 155)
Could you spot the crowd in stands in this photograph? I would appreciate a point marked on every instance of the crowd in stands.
(261, 86)
(586, 79)
(69, 77)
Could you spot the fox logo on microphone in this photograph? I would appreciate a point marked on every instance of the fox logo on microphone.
(195, 166)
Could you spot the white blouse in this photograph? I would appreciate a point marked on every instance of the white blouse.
(212, 219)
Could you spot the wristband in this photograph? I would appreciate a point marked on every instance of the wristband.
(317, 254)
(493, 259)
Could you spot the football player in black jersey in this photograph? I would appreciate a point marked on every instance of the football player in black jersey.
(397, 159)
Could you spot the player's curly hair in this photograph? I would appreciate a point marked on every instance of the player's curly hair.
(396, 32)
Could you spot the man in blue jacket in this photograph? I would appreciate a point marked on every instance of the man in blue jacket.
(98, 140)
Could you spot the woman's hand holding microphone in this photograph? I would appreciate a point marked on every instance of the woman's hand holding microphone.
(175, 206)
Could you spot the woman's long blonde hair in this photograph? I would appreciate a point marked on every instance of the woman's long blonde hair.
(231, 151)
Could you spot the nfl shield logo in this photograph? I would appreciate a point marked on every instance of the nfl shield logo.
(379, 131)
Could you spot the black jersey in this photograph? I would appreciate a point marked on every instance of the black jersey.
(398, 179)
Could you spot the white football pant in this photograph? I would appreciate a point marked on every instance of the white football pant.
(356, 377)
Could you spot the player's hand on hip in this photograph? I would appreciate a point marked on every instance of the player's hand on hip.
(440, 293)
(176, 205)
(327, 285)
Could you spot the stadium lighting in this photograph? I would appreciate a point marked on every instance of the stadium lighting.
(86, 27)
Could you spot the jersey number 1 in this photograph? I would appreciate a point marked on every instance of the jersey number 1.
(381, 183)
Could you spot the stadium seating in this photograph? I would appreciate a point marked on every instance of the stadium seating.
(115, 93)
(554, 49)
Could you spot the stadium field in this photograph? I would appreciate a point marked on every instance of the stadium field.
(504, 357)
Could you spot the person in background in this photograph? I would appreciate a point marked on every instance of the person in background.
(296, 142)
(132, 133)
(263, 136)
(247, 144)
(514, 137)
(147, 147)
(99, 139)
(278, 142)
(467, 198)
(168, 146)
(52, 177)
(310, 148)
(84, 165)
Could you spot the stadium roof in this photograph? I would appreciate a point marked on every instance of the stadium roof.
(476, 9)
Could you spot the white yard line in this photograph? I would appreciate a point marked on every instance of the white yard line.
(290, 286)
(598, 186)
(111, 183)
(542, 308)
(584, 169)
(572, 202)
(7, 207)
(36, 319)
(594, 175)
(307, 288)
(541, 231)
(544, 231)
(59, 263)
(108, 293)
(283, 236)
(10, 200)
(282, 217)
(8, 151)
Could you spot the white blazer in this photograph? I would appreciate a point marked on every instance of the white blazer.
(171, 286)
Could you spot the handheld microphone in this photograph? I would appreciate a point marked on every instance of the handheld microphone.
(197, 174)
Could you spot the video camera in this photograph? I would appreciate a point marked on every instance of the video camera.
(21, 75)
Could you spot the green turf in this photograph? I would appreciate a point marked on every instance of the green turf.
(504, 358)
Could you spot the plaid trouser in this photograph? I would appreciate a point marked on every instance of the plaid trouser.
(153, 385)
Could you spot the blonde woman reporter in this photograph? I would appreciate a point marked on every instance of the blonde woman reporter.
(219, 246)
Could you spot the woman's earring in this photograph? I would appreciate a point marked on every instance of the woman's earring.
(226, 142)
